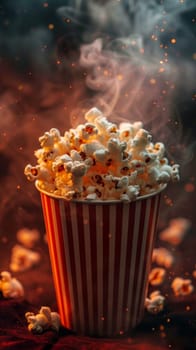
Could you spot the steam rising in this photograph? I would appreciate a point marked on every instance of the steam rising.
(133, 59)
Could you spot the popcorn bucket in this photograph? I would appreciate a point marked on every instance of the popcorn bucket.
(100, 255)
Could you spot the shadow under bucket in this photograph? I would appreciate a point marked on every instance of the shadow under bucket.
(100, 254)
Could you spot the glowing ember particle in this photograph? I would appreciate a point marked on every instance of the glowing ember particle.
(102, 318)
(45, 4)
(161, 70)
(58, 62)
(67, 20)
(152, 81)
(121, 332)
(194, 97)
(188, 308)
(194, 273)
(20, 87)
(120, 77)
(51, 26)
(18, 187)
(173, 41)
(189, 187)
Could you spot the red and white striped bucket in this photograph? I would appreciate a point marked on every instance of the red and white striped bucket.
(101, 257)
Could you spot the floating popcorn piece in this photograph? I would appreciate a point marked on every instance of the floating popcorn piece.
(162, 257)
(43, 321)
(155, 303)
(182, 286)
(10, 287)
(175, 232)
(28, 237)
(23, 259)
(157, 276)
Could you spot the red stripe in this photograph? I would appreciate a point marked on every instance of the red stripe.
(116, 271)
(80, 226)
(68, 220)
(93, 244)
(106, 239)
(67, 303)
(53, 251)
(132, 207)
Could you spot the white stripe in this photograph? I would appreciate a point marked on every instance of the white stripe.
(149, 255)
(77, 265)
(112, 216)
(99, 237)
(140, 283)
(68, 263)
(124, 235)
(88, 265)
(132, 265)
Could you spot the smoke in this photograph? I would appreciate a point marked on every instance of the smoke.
(133, 59)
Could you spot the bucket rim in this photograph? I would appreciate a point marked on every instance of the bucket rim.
(99, 201)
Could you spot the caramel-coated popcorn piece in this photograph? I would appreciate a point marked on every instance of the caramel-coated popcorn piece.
(182, 286)
(157, 276)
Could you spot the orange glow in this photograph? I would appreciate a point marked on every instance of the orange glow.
(189, 187)
(173, 40)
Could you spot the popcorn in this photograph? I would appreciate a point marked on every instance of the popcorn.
(162, 257)
(28, 237)
(175, 232)
(43, 321)
(10, 287)
(120, 163)
(155, 303)
(182, 286)
(23, 259)
(157, 276)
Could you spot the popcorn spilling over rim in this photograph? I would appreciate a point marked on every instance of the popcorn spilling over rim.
(99, 161)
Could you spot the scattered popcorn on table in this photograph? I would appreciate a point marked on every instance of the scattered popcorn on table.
(157, 276)
(175, 232)
(28, 237)
(43, 321)
(162, 257)
(23, 259)
(182, 286)
(98, 160)
(10, 287)
(155, 303)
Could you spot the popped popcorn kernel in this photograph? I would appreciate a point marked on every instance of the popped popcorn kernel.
(155, 303)
(44, 320)
(182, 286)
(10, 287)
(176, 231)
(23, 259)
(162, 257)
(67, 165)
(157, 276)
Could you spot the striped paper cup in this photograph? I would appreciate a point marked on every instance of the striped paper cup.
(100, 255)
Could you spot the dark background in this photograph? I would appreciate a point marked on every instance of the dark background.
(142, 75)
